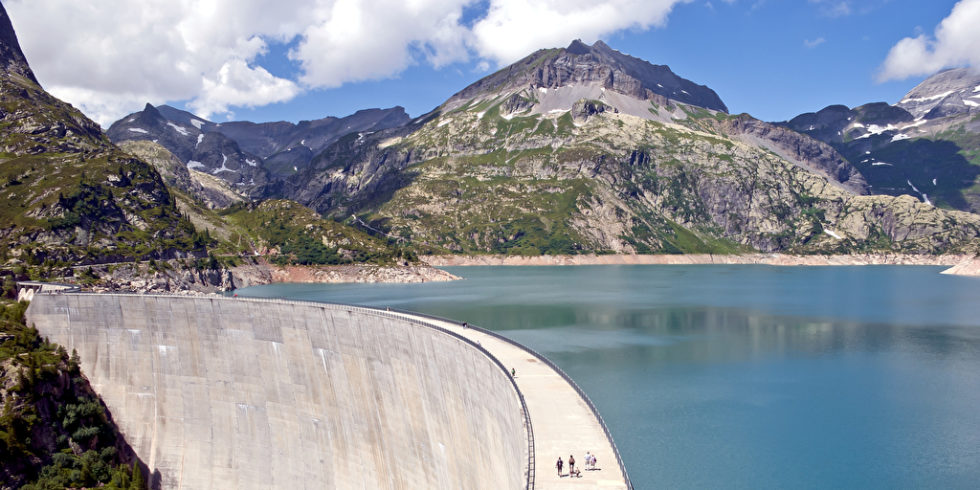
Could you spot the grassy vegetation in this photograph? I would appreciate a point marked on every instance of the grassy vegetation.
(967, 141)
(565, 125)
(54, 430)
(500, 214)
(68, 196)
(91, 208)
(950, 158)
(301, 236)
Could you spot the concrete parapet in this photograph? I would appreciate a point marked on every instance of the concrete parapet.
(27, 289)
(237, 393)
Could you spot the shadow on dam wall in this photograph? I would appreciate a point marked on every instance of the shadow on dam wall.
(237, 393)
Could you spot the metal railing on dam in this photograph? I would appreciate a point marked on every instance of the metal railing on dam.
(236, 393)
(556, 368)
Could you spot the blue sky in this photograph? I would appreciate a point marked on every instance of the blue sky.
(755, 55)
(773, 59)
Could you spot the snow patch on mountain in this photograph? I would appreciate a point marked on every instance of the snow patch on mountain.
(925, 197)
(943, 95)
(180, 129)
(224, 159)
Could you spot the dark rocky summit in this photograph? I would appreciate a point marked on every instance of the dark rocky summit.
(580, 63)
(13, 59)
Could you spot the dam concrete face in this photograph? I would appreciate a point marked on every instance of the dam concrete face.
(236, 393)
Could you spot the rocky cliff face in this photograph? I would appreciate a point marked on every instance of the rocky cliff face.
(26, 130)
(810, 154)
(927, 145)
(213, 192)
(13, 59)
(68, 194)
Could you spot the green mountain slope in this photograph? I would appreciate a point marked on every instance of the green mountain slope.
(67, 195)
(295, 234)
(587, 168)
(55, 432)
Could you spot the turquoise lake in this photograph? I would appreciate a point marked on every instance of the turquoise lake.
(736, 376)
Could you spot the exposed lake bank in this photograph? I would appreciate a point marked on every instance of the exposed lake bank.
(175, 277)
(962, 263)
(261, 274)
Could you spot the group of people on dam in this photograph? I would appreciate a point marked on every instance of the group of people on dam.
(590, 462)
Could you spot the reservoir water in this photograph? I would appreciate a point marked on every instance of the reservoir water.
(735, 376)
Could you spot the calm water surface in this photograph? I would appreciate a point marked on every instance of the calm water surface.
(743, 376)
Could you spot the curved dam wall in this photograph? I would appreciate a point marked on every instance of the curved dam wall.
(237, 393)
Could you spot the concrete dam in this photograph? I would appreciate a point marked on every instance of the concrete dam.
(232, 393)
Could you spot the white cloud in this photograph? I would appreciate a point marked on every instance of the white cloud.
(354, 40)
(833, 8)
(112, 56)
(814, 43)
(955, 42)
(513, 29)
(239, 85)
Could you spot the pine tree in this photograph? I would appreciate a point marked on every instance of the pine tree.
(137, 482)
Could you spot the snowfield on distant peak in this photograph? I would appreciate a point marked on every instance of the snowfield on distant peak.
(178, 129)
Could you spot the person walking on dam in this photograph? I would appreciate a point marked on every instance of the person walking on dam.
(559, 465)
(571, 464)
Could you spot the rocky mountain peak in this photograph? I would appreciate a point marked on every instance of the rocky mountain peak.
(578, 47)
(601, 45)
(947, 93)
(11, 56)
(580, 65)
(151, 112)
